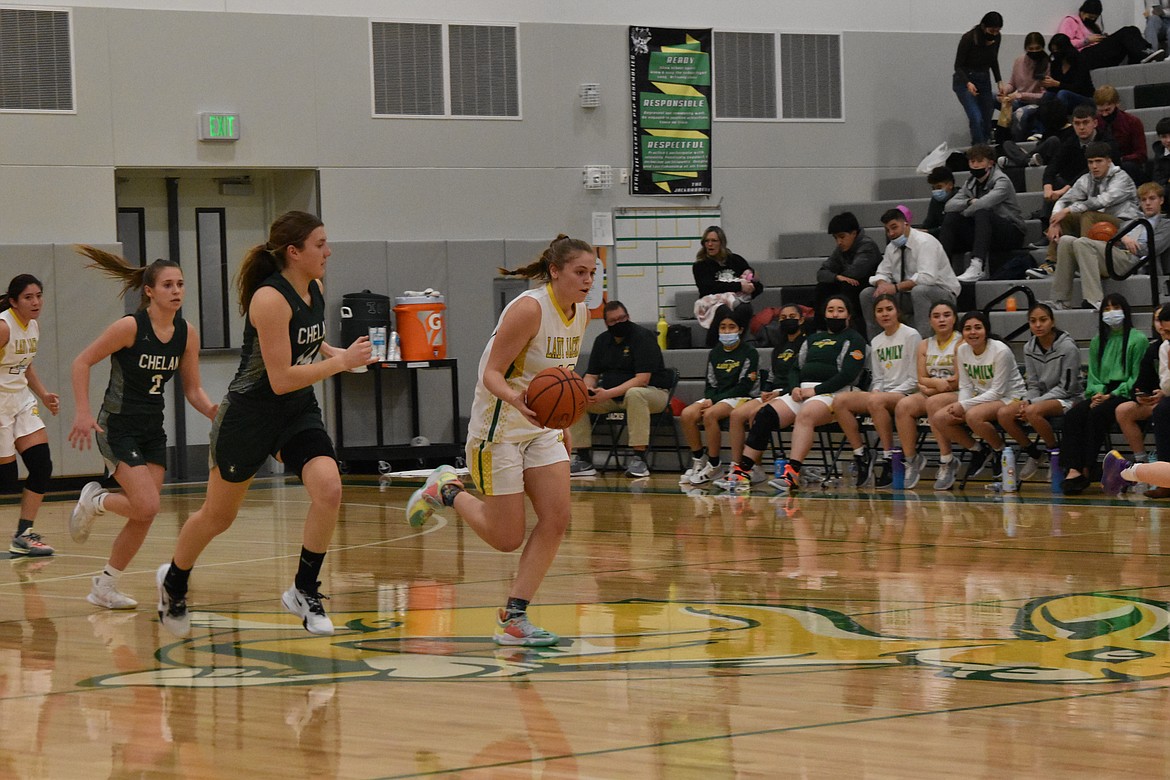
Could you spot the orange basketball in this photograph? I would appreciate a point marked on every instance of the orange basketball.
(558, 396)
(1102, 231)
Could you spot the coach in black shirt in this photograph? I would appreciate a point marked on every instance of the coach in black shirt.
(626, 372)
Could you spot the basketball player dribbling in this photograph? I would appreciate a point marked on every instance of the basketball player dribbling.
(145, 350)
(270, 409)
(21, 428)
(508, 452)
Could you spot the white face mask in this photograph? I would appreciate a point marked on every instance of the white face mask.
(1113, 318)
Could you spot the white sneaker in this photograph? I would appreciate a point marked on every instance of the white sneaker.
(307, 606)
(914, 468)
(696, 464)
(105, 593)
(946, 474)
(172, 613)
(1029, 469)
(1035, 161)
(86, 511)
(704, 474)
(975, 271)
(1152, 56)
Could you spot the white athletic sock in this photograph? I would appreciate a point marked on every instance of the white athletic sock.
(946, 458)
(111, 572)
(1130, 474)
(100, 503)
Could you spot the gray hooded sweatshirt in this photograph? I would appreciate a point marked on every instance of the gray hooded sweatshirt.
(1054, 375)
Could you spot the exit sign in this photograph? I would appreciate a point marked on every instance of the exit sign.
(216, 126)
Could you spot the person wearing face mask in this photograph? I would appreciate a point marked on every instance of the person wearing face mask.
(1125, 128)
(1105, 50)
(914, 267)
(625, 373)
(983, 217)
(942, 189)
(1068, 79)
(1115, 359)
(1087, 256)
(1025, 87)
(1104, 194)
(732, 377)
(786, 336)
(854, 260)
(976, 64)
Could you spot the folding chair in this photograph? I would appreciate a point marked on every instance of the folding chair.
(615, 426)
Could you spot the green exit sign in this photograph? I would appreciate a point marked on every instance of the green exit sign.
(216, 126)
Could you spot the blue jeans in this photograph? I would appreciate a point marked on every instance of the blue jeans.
(1156, 26)
(977, 107)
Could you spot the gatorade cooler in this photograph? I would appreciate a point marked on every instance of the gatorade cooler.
(422, 327)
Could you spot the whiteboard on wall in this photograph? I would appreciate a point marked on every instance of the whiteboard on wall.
(654, 248)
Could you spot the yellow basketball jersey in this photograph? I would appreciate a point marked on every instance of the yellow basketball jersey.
(557, 343)
(18, 353)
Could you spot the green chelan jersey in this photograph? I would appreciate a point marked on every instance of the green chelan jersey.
(306, 332)
(139, 373)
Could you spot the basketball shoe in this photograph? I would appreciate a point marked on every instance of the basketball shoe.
(424, 501)
(172, 612)
(520, 631)
(1111, 480)
(87, 509)
(30, 544)
(105, 593)
(307, 606)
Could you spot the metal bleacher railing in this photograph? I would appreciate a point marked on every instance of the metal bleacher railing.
(1150, 261)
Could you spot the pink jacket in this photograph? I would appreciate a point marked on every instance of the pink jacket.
(1074, 27)
(1024, 80)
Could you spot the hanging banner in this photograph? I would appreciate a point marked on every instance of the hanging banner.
(670, 86)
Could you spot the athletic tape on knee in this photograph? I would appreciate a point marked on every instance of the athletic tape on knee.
(760, 435)
(9, 478)
(39, 463)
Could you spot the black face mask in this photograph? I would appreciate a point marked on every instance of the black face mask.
(788, 327)
(836, 324)
(1110, 117)
(1037, 56)
(981, 176)
(621, 329)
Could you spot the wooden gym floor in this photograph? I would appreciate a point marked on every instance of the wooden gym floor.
(834, 634)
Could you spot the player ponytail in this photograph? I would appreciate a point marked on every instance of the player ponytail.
(118, 268)
(556, 255)
(263, 260)
(18, 285)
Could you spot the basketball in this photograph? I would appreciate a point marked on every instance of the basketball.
(1102, 231)
(558, 396)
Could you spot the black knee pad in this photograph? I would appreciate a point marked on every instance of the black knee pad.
(9, 479)
(40, 468)
(304, 446)
(760, 435)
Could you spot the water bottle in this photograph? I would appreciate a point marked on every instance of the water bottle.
(1056, 472)
(781, 464)
(662, 330)
(378, 344)
(393, 347)
(898, 466)
(1008, 470)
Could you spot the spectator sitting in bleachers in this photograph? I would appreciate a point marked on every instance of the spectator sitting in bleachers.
(720, 272)
(830, 361)
(1104, 194)
(983, 217)
(1146, 395)
(1115, 357)
(942, 189)
(1160, 162)
(1105, 50)
(849, 267)
(915, 267)
(1125, 128)
(1160, 417)
(1052, 376)
(1025, 88)
(731, 379)
(1157, 18)
(626, 373)
(1068, 79)
(785, 336)
(938, 386)
(893, 365)
(988, 380)
(1113, 202)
